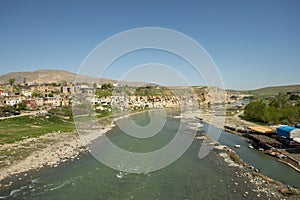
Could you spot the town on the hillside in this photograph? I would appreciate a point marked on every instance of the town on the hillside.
(16, 99)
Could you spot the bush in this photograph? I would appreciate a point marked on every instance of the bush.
(279, 110)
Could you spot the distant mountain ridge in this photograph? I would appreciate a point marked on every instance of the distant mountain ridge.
(60, 76)
(55, 76)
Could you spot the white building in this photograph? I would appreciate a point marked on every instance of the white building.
(53, 101)
(4, 94)
(12, 102)
(27, 93)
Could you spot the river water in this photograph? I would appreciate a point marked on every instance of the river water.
(187, 178)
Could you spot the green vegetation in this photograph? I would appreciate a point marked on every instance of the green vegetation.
(13, 109)
(16, 129)
(107, 86)
(152, 91)
(12, 81)
(167, 91)
(62, 111)
(104, 113)
(21, 106)
(105, 90)
(279, 110)
(37, 94)
(103, 93)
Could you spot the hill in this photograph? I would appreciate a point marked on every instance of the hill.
(274, 90)
(54, 76)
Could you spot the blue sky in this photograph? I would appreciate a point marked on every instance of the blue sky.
(254, 43)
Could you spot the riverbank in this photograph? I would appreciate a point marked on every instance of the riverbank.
(48, 150)
(239, 125)
(292, 160)
(264, 184)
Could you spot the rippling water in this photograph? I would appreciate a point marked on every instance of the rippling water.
(188, 178)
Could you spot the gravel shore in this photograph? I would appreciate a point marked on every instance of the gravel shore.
(262, 185)
(48, 150)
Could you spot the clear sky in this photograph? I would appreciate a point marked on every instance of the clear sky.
(254, 43)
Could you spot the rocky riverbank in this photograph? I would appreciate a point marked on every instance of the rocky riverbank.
(263, 185)
(46, 151)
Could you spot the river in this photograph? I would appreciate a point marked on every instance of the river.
(187, 178)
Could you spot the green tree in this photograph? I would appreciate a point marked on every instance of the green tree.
(256, 111)
(271, 115)
(12, 81)
(9, 109)
(21, 106)
(280, 102)
(36, 94)
(107, 86)
(279, 110)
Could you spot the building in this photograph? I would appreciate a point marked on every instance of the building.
(39, 101)
(30, 103)
(45, 89)
(288, 132)
(13, 101)
(53, 101)
(4, 94)
(67, 89)
(27, 93)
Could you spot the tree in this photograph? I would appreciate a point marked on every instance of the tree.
(279, 110)
(280, 102)
(107, 86)
(9, 109)
(272, 115)
(22, 106)
(95, 86)
(36, 94)
(256, 111)
(12, 81)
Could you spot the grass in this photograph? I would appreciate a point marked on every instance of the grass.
(16, 129)
(104, 113)
(254, 121)
(20, 128)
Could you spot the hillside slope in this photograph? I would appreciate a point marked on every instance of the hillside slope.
(53, 76)
(272, 91)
